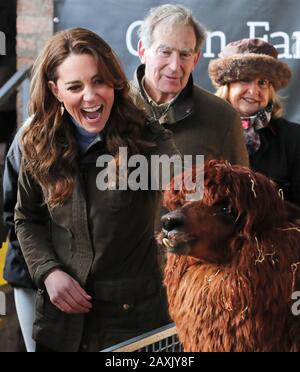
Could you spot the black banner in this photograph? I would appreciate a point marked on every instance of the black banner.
(276, 21)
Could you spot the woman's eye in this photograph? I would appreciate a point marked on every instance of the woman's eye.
(263, 82)
(73, 88)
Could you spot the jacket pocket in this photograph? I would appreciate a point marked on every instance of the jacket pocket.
(39, 305)
(44, 307)
(117, 199)
(128, 305)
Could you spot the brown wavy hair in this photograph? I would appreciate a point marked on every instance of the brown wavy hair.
(50, 149)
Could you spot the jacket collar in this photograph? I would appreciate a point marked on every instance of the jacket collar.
(266, 136)
(180, 108)
(273, 128)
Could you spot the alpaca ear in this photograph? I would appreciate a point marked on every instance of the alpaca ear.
(261, 205)
(244, 204)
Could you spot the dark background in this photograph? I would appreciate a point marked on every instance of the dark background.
(112, 18)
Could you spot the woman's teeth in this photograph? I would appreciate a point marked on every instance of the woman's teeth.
(93, 109)
(92, 113)
(250, 100)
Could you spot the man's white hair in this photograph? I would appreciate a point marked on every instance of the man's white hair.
(171, 15)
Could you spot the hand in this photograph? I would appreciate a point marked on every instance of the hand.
(66, 294)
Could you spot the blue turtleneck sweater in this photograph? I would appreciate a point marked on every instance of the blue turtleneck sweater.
(83, 137)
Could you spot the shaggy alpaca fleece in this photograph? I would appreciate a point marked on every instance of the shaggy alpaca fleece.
(241, 299)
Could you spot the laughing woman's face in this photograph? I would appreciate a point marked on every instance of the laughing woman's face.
(249, 97)
(85, 96)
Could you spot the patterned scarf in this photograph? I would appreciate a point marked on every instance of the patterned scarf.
(252, 124)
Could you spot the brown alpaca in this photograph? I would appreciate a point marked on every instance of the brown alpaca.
(235, 267)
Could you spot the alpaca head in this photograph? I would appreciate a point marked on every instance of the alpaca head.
(237, 205)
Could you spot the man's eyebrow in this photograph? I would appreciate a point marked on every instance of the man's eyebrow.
(162, 46)
(185, 50)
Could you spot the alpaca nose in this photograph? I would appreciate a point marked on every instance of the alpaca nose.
(172, 221)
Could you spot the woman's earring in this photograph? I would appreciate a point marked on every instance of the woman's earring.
(62, 109)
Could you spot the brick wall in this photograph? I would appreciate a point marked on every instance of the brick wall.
(34, 28)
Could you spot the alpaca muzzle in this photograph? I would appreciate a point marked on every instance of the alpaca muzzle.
(173, 238)
(173, 221)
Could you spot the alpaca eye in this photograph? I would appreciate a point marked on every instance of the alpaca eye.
(222, 211)
(178, 204)
(225, 210)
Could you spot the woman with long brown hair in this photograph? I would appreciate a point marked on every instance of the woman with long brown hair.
(91, 252)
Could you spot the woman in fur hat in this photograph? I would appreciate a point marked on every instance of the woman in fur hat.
(248, 75)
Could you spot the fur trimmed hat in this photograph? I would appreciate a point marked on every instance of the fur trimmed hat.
(249, 59)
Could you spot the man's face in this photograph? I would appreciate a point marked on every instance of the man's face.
(169, 61)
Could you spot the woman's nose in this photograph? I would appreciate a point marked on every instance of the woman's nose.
(89, 94)
(172, 221)
(253, 88)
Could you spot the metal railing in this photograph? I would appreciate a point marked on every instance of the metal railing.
(160, 340)
(20, 78)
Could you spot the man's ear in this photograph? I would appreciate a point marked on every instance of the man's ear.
(54, 89)
(141, 50)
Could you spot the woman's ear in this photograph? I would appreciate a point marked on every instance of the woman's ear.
(54, 89)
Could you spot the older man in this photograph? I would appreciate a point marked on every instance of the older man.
(169, 49)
